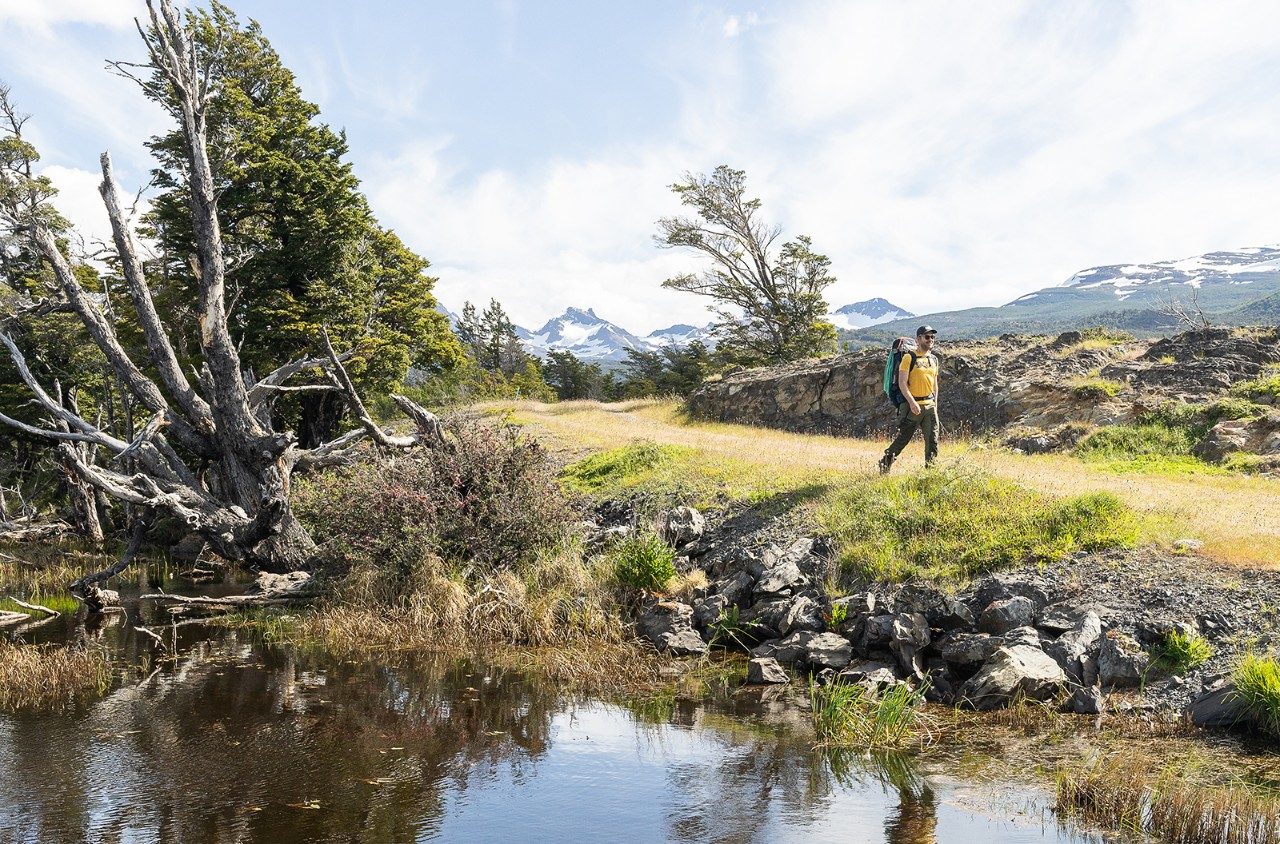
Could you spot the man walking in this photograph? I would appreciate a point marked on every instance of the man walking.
(918, 381)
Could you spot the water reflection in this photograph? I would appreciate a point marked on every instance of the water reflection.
(237, 742)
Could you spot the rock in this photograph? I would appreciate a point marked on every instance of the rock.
(293, 584)
(736, 587)
(1012, 671)
(1186, 546)
(1087, 700)
(829, 650)
(681, 525)
(786, 651)
(669, 626)
(1005, 614)
(804, 614)
(877, 632)
(706, 611)
(1121, 661)
(1214, 707)
(1060, 617)
(780, 579)
(1075, 643)
(862, 603)
(945, 612)
(1028, 636)
(1004, 586)
(969, 650)
(873, 674)
(939, 687)
(765, 669)
(768, 616)
(909, 636)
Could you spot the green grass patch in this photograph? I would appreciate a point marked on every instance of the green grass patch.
(672, 474)
(850, 715)
(1180, 651)
(1136, 440)
(643, 562)
(62, 602)
(1257, 694)
(951, 525)
(1095, 387)
(1266, 388)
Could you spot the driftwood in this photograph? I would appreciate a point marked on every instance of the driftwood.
(264, 600)
(7, 618)
(24, 530)
(35, 607)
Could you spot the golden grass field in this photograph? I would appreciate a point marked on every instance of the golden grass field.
(1237, 516)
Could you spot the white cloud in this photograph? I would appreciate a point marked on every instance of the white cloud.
(41, 14)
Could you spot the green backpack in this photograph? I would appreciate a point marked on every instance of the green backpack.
(901, 346)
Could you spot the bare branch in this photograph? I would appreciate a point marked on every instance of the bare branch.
(338, 373)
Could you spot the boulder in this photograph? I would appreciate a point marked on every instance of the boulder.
(803, 614)
(786, 651)
(768, 616)
(1121, 661)
(1028, 636)
(707, 610)
(681, 525)
(1005, 614)
(669, 626)
(765, 669)
(943, 611)
(1082, 639)
(736, 587)
(1003, 586)
(780, 579)
(968, 651)
(1012, 671)
(909, 636)
(829, 650)
(1061, 617)
(876, 676)
(1214, 707)
(877, 632)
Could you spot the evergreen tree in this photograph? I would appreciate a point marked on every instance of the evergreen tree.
(306, 249)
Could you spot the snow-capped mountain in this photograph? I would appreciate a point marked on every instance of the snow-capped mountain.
(1233, 268)
(871, 312)
(680, 335)
(584, 334)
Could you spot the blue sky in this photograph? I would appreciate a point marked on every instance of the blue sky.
(943, 155)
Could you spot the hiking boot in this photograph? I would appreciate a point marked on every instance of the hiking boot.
(885, 464)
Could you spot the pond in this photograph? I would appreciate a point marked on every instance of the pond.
(241, 740)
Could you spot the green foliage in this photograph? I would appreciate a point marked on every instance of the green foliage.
(850, 715)
(951, 525)
(1265, 389)
(1096, 388)
(62, 602)
(1110, 336)
(307, 251)
(671, 371)
(839, 612)
(611, 468)
(489, 499)
(572, 378)
(1234, 408)
(643, 562)
(1180, 651)
(1143, 438)
(1257, 692)
(768, 304)
(729, 629)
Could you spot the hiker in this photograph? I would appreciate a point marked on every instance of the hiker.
(917, 381)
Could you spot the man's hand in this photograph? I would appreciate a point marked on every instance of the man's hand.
(913, 406)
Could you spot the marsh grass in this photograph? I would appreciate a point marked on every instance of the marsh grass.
(951, 524)
(49, 677)
(1257, 692)
(62, 602)
(1168, 801)
(643, 562)
(849, 715)
(1180, 651)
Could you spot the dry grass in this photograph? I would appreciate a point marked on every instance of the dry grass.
(1166, 801)
(1208, 507)
(45, 677)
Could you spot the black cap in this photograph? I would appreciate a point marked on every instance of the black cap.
(926, 329)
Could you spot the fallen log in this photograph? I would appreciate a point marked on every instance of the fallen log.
(35, 607)
(24, 530)
(267, 600)
(7, 618)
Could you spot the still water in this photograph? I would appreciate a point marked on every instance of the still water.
(241, 741)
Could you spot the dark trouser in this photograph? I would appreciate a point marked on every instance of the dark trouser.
(907, 424)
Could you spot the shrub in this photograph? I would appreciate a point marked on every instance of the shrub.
(1265, 389)
(643, 562)
(489, 500)
(1180, 651)
(1257, 693)
(612, 467)
(1143, 438)
(953, 524)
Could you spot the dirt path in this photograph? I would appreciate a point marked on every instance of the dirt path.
(1238, 517)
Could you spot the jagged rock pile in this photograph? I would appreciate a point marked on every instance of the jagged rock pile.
(1073, 633)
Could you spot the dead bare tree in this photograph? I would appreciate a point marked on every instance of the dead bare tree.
(1187, 313)
(209, 454)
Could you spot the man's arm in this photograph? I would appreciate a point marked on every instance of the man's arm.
(906, 390)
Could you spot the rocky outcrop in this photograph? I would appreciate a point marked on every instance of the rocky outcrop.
(1044, 393)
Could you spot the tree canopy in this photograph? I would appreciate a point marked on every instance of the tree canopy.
(767, 300)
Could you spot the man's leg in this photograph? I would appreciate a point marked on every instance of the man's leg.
(906, 429)
(929, 421)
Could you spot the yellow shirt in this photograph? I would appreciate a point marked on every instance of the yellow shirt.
(923, 377)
